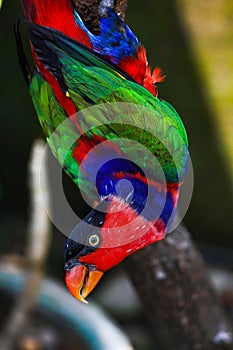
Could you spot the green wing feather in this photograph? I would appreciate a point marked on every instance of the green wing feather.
(91, 82)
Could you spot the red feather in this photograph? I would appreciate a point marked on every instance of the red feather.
(57, 14)
(129, 233)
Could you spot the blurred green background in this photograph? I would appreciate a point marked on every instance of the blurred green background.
(192, 42)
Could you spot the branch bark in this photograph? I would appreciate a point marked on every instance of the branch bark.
(181, 306)
(88, 10)
(170, 277)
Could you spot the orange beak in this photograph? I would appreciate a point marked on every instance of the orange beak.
(81, 280)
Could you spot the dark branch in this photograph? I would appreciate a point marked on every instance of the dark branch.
(89, 12)
(181, 306)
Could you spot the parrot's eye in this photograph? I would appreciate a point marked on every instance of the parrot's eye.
(94, 240)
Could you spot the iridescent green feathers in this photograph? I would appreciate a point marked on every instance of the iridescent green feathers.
(90, 81)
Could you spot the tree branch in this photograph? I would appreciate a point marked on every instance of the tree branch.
(88, 10)
(181, 306)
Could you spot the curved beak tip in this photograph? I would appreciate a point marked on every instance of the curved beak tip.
(81, 280)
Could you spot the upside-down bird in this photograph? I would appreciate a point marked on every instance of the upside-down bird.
(96, 100)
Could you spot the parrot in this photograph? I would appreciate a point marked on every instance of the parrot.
(96, 92)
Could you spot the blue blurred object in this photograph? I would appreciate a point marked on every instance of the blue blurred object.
(92, 325)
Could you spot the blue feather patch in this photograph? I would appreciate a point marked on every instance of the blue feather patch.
(116, 40)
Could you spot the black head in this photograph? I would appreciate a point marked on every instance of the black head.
(85, 237)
